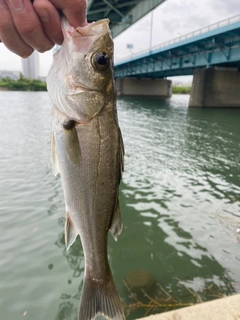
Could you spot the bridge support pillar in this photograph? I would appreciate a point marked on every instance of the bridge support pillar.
(215, 87)
(144, 87)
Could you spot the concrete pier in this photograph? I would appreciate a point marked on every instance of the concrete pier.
(221, 309)
(144, 87)
(215, 87)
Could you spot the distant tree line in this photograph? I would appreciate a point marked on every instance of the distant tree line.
(22, 84)
(181, 89)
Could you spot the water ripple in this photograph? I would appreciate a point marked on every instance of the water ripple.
(179, 200)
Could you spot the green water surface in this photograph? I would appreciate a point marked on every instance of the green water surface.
(180, 202)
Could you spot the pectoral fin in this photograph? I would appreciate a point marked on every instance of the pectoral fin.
(116, 225)
(70, 232)
(54, 159)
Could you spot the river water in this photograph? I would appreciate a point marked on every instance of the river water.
(180, 202)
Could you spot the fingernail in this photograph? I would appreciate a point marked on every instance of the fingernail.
(47, 48)
(17, 5)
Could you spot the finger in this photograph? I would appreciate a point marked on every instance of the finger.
(74, 11)
(9, 34)
(28, 26)
(50, 19)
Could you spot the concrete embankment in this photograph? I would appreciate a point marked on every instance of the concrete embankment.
(227, 308)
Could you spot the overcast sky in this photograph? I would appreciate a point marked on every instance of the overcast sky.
(170, 20)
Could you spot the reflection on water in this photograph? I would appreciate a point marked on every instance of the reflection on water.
(179, 200)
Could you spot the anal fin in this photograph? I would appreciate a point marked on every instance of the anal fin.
(116, 225)
(70, 232)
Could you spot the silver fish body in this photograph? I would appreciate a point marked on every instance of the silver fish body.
(87, 150)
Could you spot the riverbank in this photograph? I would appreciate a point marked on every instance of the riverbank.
(43, 87)
(22, 84)
(181, 90)
(227, 308)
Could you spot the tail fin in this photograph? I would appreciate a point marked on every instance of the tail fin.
(100, 299)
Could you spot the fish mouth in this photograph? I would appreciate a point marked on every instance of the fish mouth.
(76, 86)
(81, 89)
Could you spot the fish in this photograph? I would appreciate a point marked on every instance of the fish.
(87, 150)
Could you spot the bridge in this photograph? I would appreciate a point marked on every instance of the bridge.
(122, 13)
(211, 54)
(214, 45)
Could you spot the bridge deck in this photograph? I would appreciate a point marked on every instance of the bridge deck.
(218, 46)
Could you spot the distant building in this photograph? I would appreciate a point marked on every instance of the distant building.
(14, 75)
(42, 78)
(30, 66)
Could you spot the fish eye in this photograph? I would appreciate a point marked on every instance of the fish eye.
(101, 61)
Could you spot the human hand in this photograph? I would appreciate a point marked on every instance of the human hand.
(25, 26)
